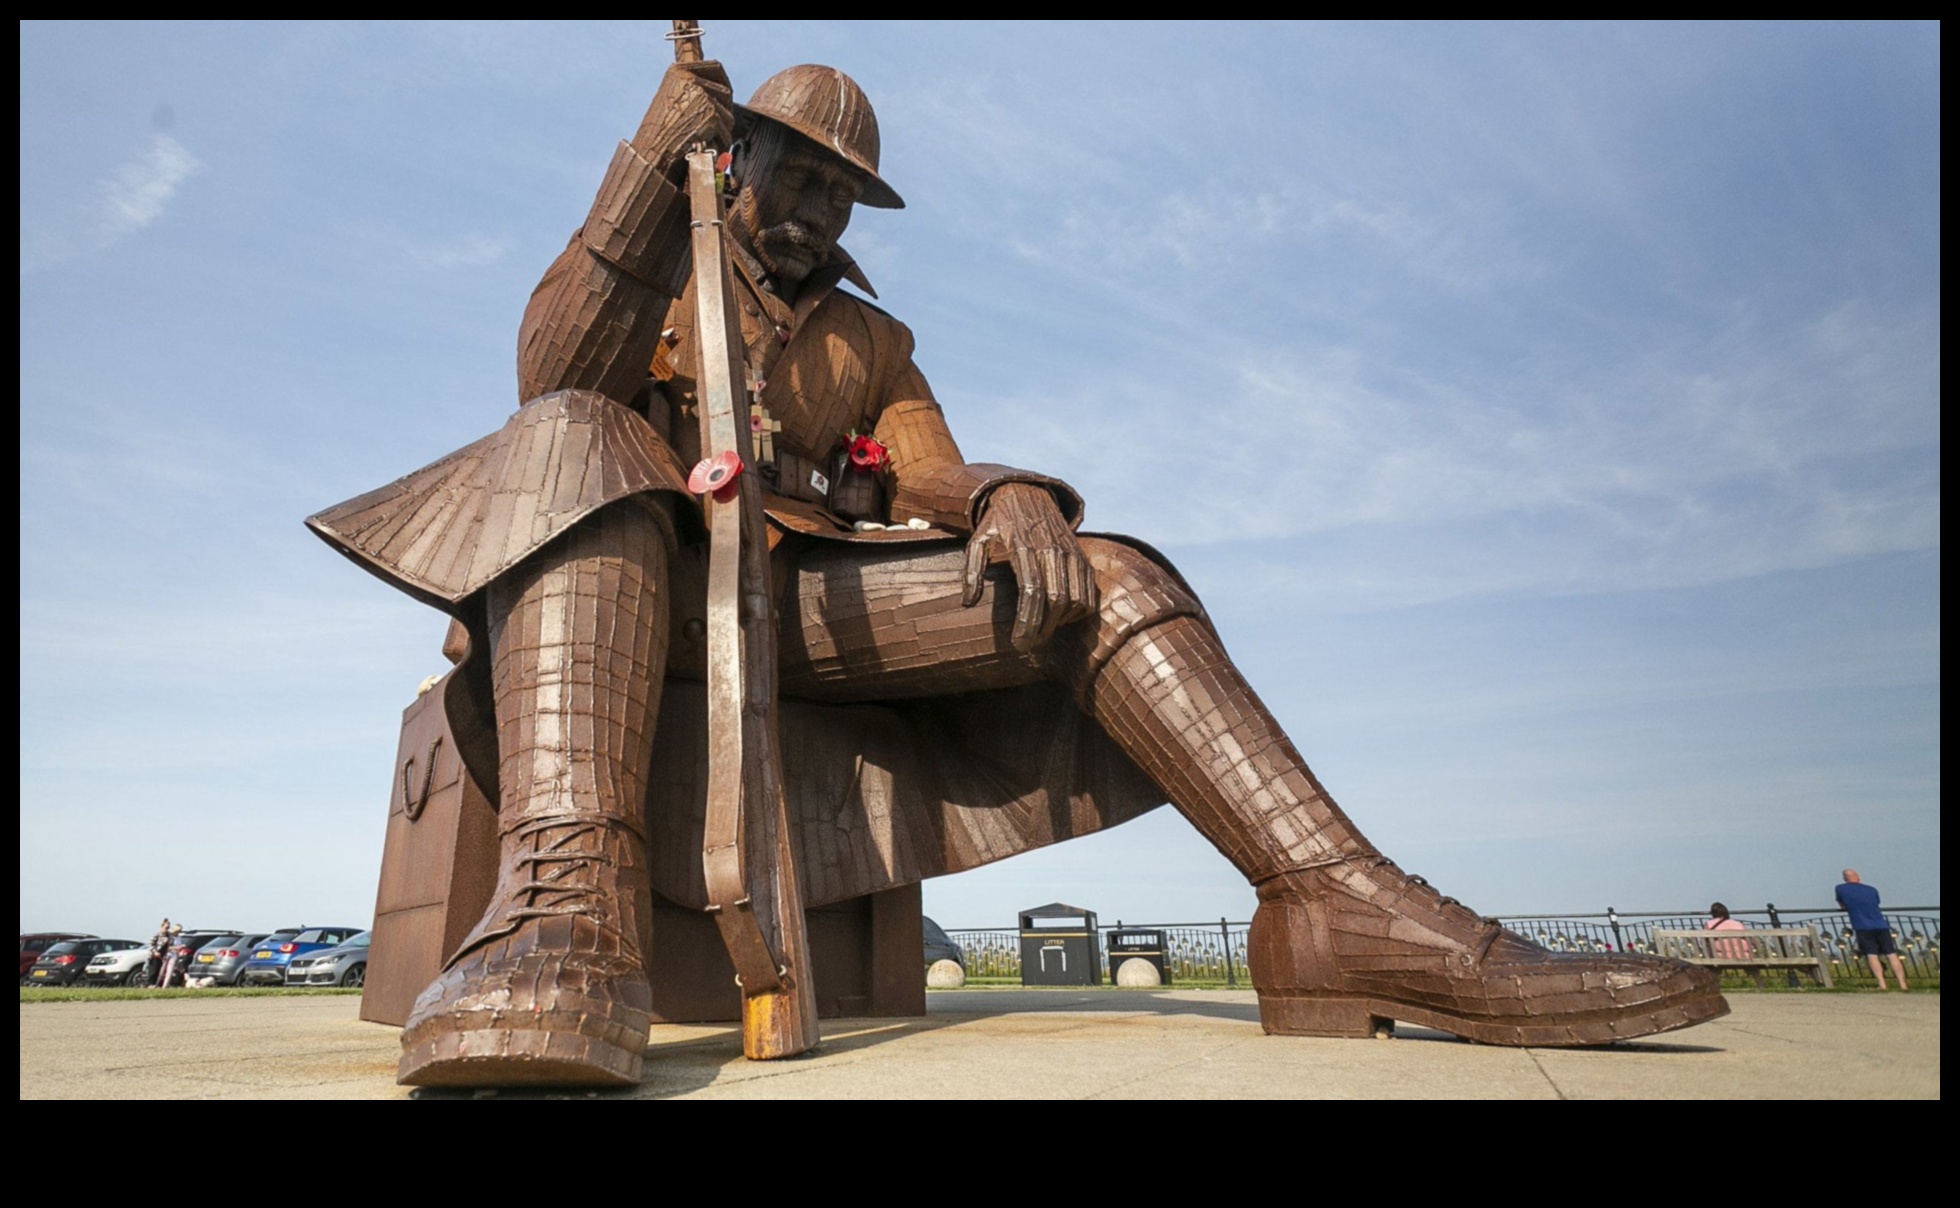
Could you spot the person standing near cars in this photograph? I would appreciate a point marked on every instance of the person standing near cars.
(159, 947)
(1874, 934)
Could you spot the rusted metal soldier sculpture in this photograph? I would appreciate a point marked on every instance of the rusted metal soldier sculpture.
(1027, 683)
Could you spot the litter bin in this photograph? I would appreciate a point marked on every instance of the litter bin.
(1139, 944)
(1059, 946)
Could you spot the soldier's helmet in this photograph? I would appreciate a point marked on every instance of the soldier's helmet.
(827, 107)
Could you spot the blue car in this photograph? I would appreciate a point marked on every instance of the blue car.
(267, 965)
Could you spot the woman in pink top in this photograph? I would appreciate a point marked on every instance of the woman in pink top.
(1727, 950)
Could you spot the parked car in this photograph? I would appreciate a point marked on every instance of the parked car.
(184, 947)
(267, 964)
(119, 967)
(34, 943)
(62, 963)
(342, 966)
(220, 962)
(940, 946)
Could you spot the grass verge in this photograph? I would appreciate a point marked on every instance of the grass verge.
(127, 993)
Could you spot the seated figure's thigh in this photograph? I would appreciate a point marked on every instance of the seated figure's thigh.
(861, 622)
(868, 622)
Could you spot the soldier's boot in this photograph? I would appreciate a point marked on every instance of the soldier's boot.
(1343, 941)
(551, 985)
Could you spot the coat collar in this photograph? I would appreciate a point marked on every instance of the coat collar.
(816, 287)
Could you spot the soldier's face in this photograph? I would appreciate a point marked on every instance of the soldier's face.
(796, 201)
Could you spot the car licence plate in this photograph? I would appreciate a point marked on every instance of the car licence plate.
(262, 956)
(40, 973)
(205, 960)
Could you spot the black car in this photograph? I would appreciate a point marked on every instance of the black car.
(34, 943)
(62, 963)
(940, 946)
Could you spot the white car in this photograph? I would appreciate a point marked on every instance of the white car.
(123, 967)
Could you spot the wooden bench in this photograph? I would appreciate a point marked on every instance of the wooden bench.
(1753, 949)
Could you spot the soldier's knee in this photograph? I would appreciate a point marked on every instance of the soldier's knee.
(618, 557)
(1137, 591)
(632, 539)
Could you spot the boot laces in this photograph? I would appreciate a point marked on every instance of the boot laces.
(560, 878)
(1377, 860)
(1490, 929)
(1493, 927)
(555, 881)
(1370, 861)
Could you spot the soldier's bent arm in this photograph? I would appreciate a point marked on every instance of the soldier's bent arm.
(1007, 511)
(931, 480)
(593, 320)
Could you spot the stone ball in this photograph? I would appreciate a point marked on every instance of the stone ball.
(945, 975)
(1137, 972)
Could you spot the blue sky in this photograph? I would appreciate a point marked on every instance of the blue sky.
(1549, 416)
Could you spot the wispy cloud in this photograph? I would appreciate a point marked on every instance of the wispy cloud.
(467, 251)
(1443, 346)
(136, 195)
(133, 197)
(1731, 455)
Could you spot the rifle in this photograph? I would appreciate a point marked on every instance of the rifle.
(747, 851)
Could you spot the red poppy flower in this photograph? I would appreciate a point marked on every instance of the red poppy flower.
(868, 454)
(718, 474)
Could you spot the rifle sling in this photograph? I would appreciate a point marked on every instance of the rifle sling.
(723, 855)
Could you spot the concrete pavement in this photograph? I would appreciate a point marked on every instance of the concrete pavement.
(1007, 1044)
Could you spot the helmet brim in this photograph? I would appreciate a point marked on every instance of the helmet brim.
(876, 193)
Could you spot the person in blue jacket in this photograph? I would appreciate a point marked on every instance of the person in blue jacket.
(1860, 902)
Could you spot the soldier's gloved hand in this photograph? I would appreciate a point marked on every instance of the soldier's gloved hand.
(1022, 526)
(694, 104)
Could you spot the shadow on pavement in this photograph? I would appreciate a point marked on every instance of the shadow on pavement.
(679, 1066)
(708, 1054)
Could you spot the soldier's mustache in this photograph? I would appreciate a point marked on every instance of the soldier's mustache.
(797, 235)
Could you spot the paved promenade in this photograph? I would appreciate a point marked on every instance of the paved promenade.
(1005, 1044)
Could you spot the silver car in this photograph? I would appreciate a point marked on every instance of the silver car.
(220, 962)
(345, 965)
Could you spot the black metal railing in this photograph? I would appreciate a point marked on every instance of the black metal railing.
(1197, 953)
(1205, 954)
(1915, 930)
(989, 954)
